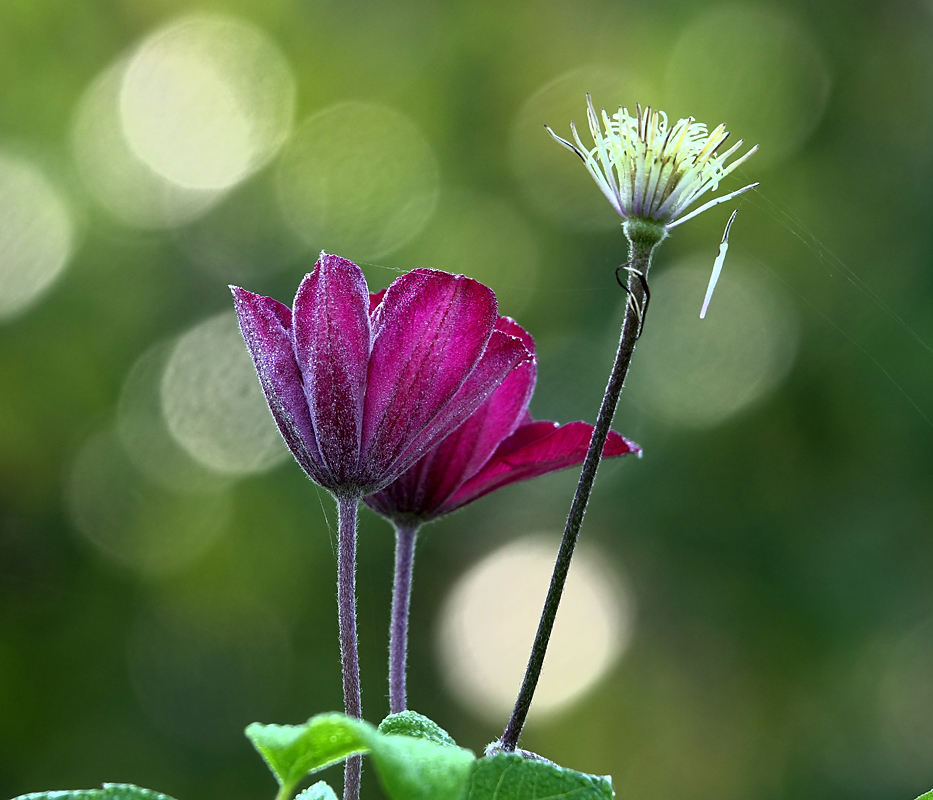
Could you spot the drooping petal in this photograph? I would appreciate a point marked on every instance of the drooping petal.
(533, 450)
(426, 485)
(332, 344)
(266, 326)
(503, 354)
(429, 332)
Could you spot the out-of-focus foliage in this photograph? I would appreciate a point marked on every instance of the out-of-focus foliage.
(762, 619)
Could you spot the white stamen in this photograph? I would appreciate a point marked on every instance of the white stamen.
(717, 265)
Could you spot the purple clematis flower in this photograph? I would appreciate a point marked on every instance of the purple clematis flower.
(362, 386)
(499, 444)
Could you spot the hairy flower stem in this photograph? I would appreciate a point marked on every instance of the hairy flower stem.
(405, 536)
(349, 647)
(643, 238)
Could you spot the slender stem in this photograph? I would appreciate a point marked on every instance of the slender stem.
(642, 241)
(401, 597)
(349, 649)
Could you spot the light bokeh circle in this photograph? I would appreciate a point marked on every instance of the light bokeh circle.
(359, 179)
(697, 373)
(138, 524)
(552, 178)
(126, 188)
(141, 427)
(213, 403)
(37, 234)
(490, 616)
(207, 100)
(756, 68)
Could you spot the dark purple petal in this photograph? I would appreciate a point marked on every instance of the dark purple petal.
(265, 324)
(429, 332)
(332, 344)
(503, 354)
(534, 450)
(425, 486)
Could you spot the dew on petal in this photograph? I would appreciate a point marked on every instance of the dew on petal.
(768, 80)
(490, 616)
(206, 101)
(554, 183)
(133, 522)
(485, 237)
(123, 186)
(36, 234)
(213, 404)
(359, 179)
(697, 373)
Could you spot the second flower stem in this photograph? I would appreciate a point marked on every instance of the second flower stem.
(349, 647)
(643, 238)
(405, 536)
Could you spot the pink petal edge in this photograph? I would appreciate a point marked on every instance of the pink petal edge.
(265, 324)
(533, 450)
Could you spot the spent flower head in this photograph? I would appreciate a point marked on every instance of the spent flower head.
(654, 171)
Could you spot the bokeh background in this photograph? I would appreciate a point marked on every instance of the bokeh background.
(751, 614)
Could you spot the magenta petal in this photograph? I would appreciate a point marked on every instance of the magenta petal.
(332, 344)
(375, 298)
(265, 324)
(512, 328)
(424, 487)
(503, 355)
(429, 332)
(532, 451)
(471, 445)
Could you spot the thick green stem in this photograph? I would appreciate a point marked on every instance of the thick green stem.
(643, 238)
(285, 792)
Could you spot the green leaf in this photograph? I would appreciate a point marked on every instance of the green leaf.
(110, 791)
(415, 769)
(409, 768)
(508, 776)
(293, 751)
(411, 723)
(126, 791)
(927, 796)
(319, 791)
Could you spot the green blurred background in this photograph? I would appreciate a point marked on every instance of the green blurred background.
(753, 612)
